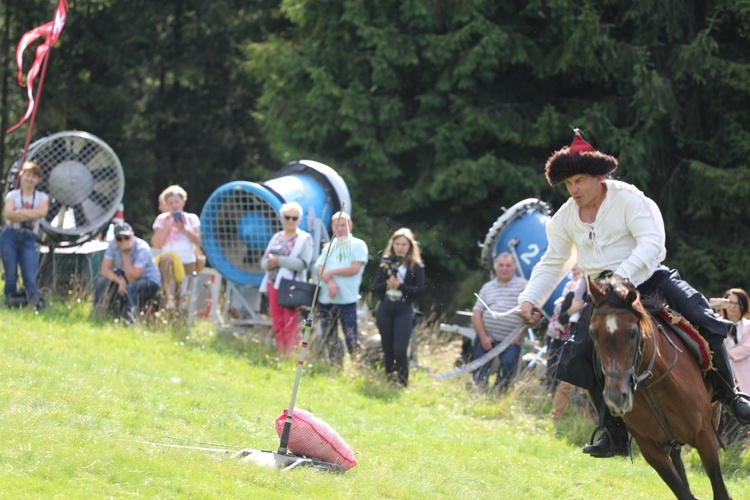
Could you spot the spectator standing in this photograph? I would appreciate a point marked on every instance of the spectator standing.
(498, 296)
(287, 255)
(399, 282)
(340, 280)
(128, 276)
(561, 326)
(23, 209)
(176, 237)
(734, 307)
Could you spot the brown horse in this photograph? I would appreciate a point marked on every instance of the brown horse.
(655, 385)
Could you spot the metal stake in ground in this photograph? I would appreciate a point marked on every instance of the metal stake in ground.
(288, 421)
(282, 457)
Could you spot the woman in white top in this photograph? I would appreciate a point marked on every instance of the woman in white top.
(176, 235)
(734, 307)
(287, 255)
(23, 209)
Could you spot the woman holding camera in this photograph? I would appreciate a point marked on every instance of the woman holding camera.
(735, 307)
(287, 255)
(23, 209)
(400, 281)
(176, 236)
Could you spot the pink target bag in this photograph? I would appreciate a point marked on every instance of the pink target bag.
(313, 438)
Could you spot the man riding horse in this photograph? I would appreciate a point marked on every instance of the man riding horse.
(612, 229)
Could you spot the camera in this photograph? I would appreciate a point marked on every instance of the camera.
(177, 216)
(392, 262)
(27, 225)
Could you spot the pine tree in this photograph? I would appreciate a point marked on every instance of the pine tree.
(439, 113)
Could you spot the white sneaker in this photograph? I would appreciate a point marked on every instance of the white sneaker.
(131, 316)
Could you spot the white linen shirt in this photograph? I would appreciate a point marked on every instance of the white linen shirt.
(627, 238)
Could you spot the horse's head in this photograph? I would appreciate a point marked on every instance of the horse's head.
(616, 328)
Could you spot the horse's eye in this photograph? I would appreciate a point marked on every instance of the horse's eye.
(633, 332)
(592, 334)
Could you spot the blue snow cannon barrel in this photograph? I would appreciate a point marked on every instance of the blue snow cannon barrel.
(521, 231)
(240, 217)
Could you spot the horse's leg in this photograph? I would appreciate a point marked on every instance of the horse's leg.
(708, 449)
(659, 460)
(675, 454)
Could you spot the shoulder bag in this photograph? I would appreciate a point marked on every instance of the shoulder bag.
(294, 294)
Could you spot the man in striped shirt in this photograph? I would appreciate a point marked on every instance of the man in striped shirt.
(499, 295)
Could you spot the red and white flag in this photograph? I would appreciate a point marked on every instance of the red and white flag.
(51, 31)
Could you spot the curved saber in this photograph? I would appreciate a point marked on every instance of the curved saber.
(486, 358)
(494, 314)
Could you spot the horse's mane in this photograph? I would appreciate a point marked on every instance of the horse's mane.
(617, 294)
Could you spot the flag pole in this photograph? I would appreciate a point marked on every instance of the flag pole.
(51, 31)
(37, 100)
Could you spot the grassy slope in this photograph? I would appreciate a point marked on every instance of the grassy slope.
(81, 402)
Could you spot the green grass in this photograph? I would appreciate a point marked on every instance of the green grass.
(82, 404)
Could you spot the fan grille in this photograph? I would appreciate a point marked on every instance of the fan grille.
(242, 223)
(84, 180)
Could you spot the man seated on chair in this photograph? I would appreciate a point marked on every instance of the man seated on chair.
(176, 237)
(500, 294)
(128, 276)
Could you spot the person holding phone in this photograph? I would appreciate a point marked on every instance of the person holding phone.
(176, 237)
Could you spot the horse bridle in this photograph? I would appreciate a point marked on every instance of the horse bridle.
(648, 373)
(638, 356)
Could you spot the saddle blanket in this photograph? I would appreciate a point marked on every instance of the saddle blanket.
(689, 336)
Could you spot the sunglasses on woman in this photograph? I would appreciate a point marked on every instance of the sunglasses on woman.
(291, 217)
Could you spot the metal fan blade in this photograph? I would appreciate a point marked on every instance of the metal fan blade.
(53, 210)
(81, 214)
(60, 150)
(105, 174)
(91, 209)
(99, 160)
(103, 200)
(59, 216)
(86, 151)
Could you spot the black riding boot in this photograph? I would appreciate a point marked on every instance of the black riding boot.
(735, 402)
(614, 440)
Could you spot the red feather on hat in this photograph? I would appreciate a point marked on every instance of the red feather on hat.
(579, 145)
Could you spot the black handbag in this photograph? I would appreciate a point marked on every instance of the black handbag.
(294, 294)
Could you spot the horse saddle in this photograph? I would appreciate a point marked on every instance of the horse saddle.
(696, 344)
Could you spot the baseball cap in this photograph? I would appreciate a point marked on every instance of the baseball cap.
(123, 228)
